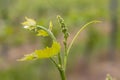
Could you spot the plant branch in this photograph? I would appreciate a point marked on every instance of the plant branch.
(59, 66)
(48, 31)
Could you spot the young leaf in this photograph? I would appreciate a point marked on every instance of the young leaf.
(28, 57)
(43, 53)
(42, 33)
(29, 23)
(49, 52)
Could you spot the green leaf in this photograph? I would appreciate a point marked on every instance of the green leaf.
(29, 24)
(43, 53)
(28, 57)
(48, 52)
(42, 33)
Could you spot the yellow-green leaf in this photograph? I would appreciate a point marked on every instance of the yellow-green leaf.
(49, 52)
(42, 33)
(43, 53)
(28, 57)
(29, 23)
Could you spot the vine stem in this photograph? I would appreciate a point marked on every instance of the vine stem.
(62, 73)
(59, 66)
(76, 35)
(61, 70)
(65, 57)
(53, 37)
(48, 31)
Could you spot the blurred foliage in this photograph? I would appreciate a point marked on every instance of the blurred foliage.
(29, 71)
(75, 13)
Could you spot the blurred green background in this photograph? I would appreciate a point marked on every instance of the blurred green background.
(94, 54)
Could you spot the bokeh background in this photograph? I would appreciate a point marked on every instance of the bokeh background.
(95, 53)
